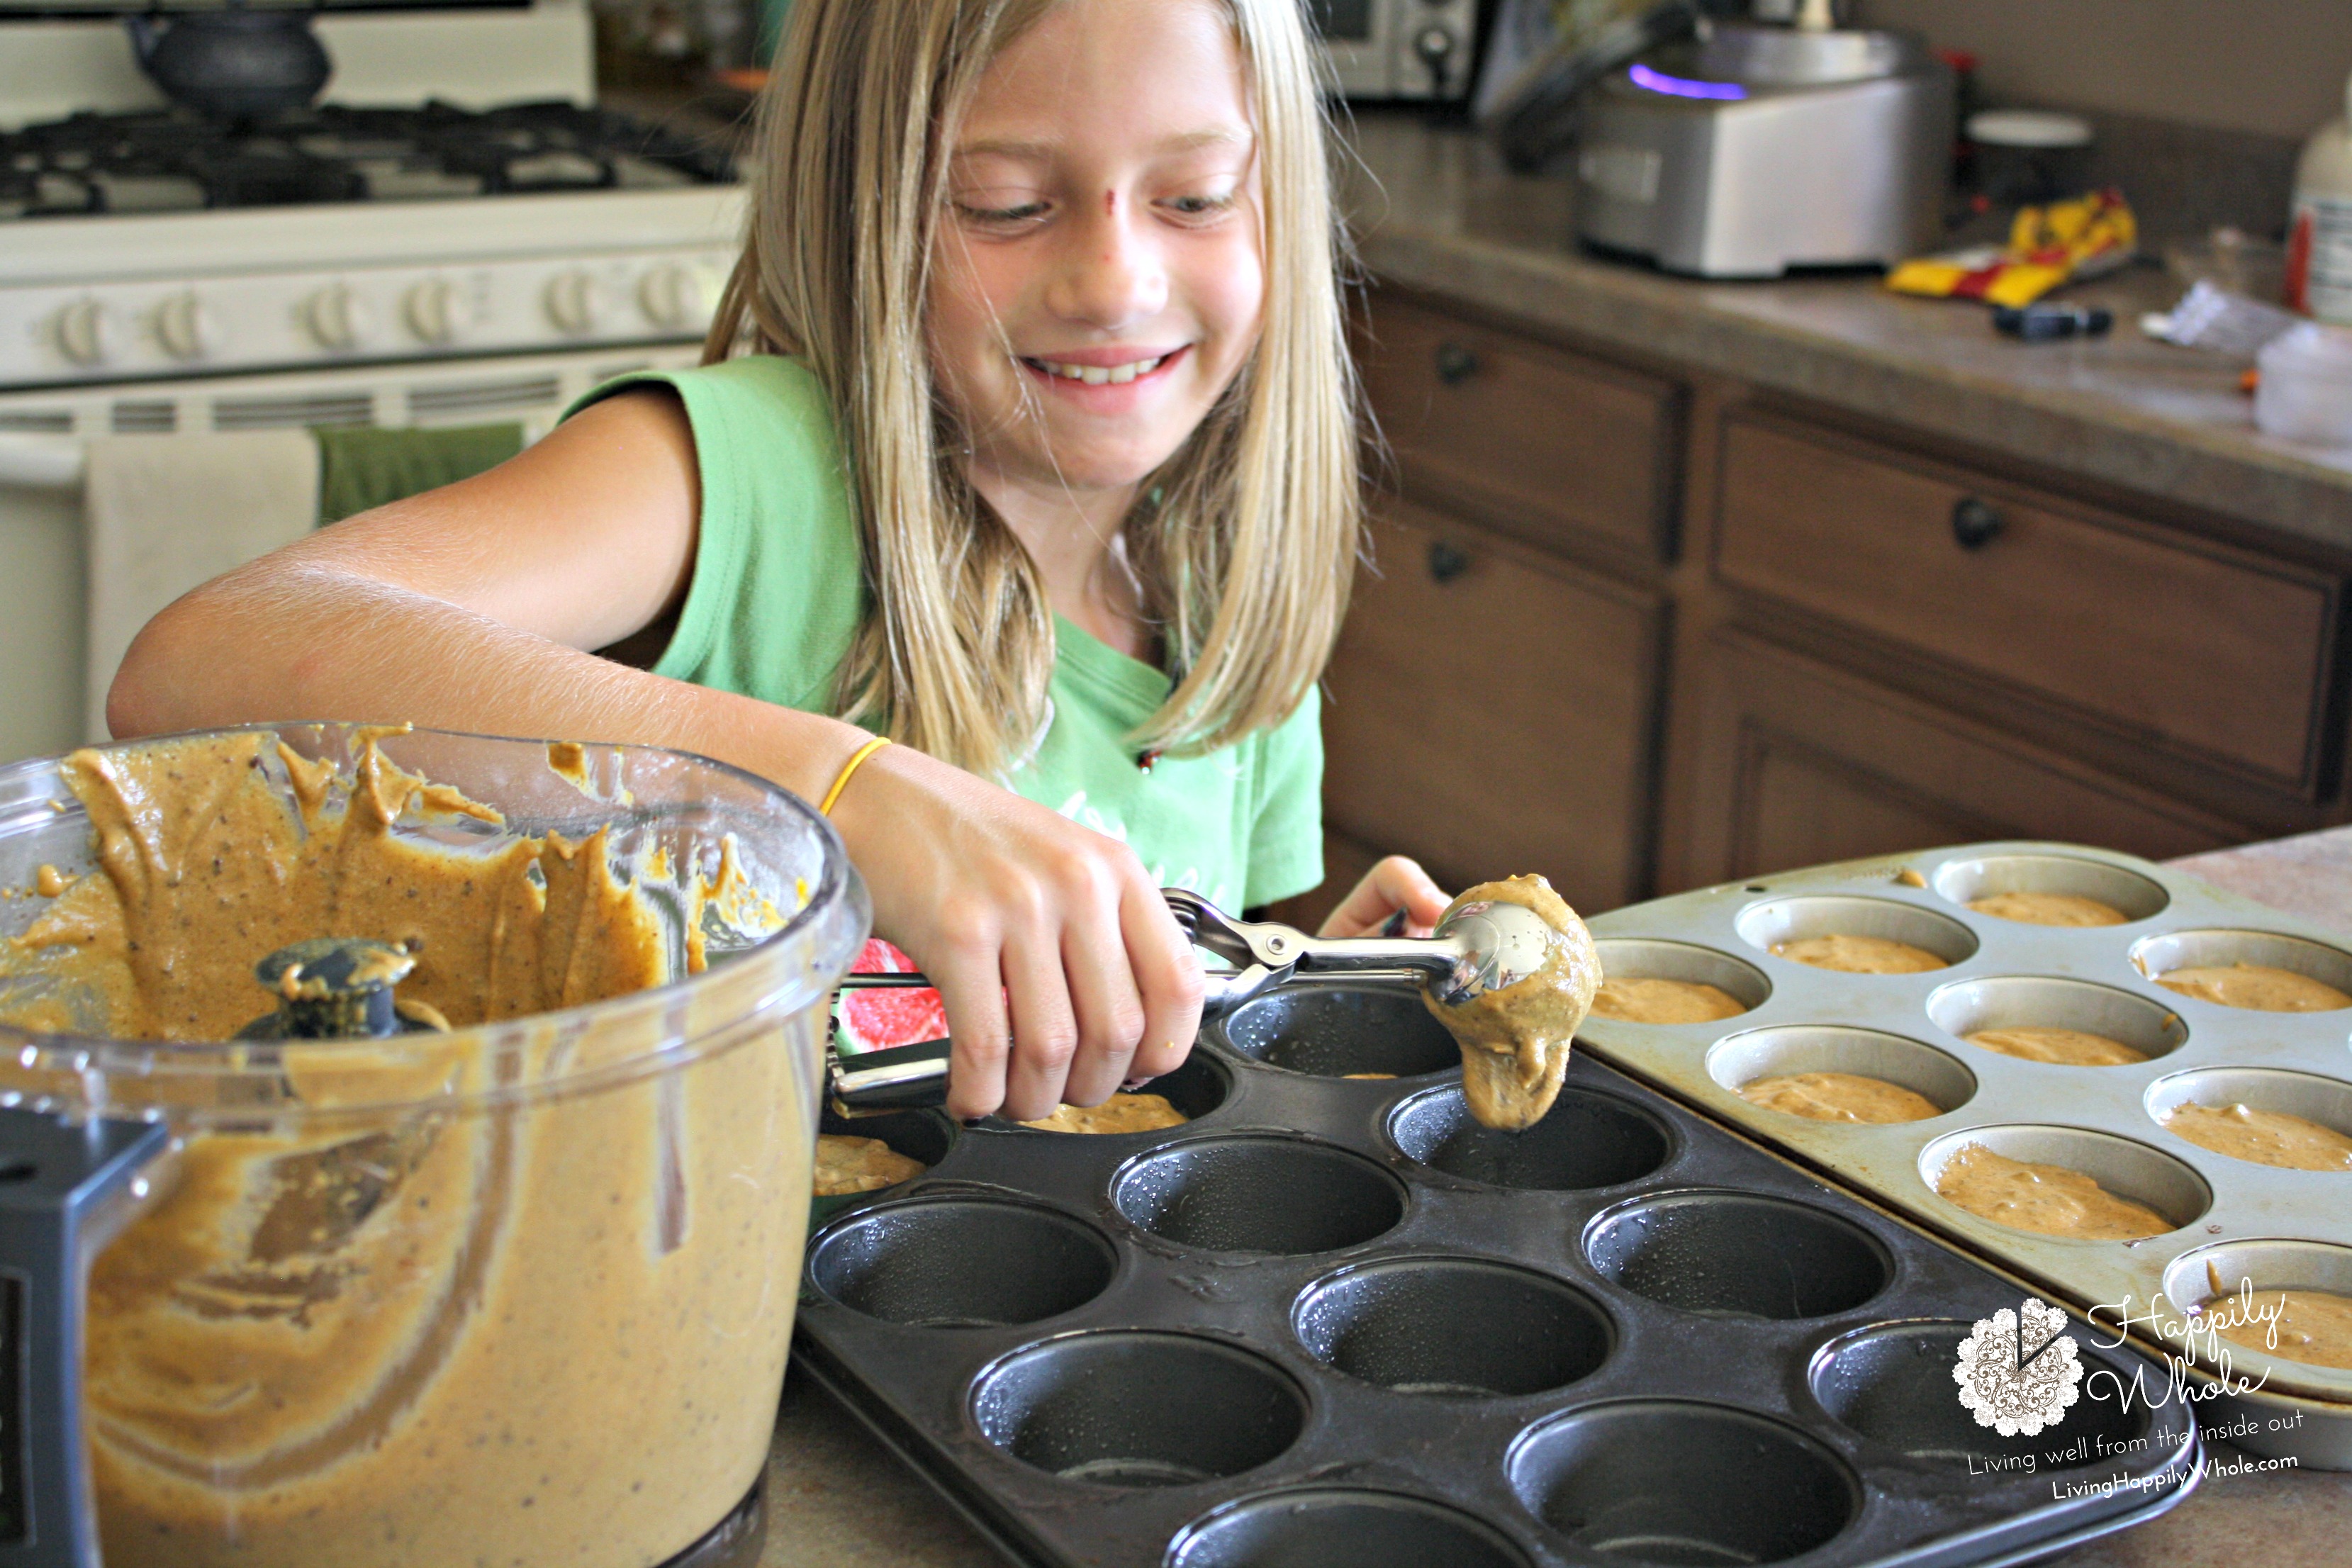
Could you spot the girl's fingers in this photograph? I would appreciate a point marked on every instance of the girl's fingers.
(1167, 976)
(1045, 1027)
(972, 994)
(1396, 883)
(1109, 1012)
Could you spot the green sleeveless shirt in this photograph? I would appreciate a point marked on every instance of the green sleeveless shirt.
(776, 596)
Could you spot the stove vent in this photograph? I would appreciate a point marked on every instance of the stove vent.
(277, 413)
(513, 395)
(38, 421)
(146, 417)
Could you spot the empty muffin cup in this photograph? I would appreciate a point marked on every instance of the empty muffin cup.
(1864, 1053)
(1585, 1140)
(1404, 1324)
(1133, 1409)
(2130, 1171)
(960, 1262)
(1333, 1032)
(1675, 1481)
(2005, 1002)
(1893, 1384)
(1730, 1253)
(1341, 1527)
(1780, 921)
(2166, 956)
(1256, 1194)
(1646, 958)
(2129, 894)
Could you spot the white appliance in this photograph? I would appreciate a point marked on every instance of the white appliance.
(450, 309)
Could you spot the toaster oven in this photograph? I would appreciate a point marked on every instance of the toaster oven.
(1418, 49)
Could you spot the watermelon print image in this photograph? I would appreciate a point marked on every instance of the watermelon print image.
(870, 1020)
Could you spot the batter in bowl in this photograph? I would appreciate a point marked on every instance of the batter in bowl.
(1860, 954)
(2049, 1199)
(2262, 1137)
(1839, 1097)
(2047, 908)
(2256, 987)
(1123, 1112)
(1515, 1040)
(1638, 1000)
(845, 1164)
(2062, 1047)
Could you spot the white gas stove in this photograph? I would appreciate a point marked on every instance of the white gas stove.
(456, 236)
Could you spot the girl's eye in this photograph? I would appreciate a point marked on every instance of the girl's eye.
(1200, 207)
(1012, 216)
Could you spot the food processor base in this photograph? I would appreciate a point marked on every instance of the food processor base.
(734, 1541)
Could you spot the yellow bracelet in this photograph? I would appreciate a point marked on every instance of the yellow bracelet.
(841, 780)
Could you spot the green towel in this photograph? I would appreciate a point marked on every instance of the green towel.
(361, 468)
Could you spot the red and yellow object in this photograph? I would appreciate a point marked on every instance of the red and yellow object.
(2065, 242)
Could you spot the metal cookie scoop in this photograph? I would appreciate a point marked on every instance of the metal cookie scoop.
(1480, 947)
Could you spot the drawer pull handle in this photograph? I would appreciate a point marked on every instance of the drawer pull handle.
(1975, 524)
(1456, 364)
(1447, 564)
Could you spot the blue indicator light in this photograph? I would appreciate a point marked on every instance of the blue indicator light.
(1683, 85)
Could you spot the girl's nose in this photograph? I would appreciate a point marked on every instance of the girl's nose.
(1112, 273)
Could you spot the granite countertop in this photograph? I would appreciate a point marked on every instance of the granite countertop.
(1437, 210)
(836, 1497)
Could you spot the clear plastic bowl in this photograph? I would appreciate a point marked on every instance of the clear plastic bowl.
(2306, 390)
(519, 1293)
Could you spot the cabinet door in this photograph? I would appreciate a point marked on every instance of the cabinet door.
(1494, 712)
(1797, 764)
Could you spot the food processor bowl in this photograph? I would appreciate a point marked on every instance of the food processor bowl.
(518, 1292)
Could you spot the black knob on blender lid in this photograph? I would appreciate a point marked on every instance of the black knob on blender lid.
(331, 988)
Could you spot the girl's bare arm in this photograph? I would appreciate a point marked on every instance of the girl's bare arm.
(476, 607)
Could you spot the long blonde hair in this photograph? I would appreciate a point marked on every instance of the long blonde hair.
(1244, 541)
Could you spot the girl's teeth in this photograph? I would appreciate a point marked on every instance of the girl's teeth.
(1100, 374)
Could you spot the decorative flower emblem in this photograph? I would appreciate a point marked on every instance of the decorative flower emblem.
(2019, 1370)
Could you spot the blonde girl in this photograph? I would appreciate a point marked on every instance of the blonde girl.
(1025, 439)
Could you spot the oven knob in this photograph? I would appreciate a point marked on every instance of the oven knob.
(184, 327)
(338, 318)
(431, 308)
(571, 301)
(677, 296)
(85, 331)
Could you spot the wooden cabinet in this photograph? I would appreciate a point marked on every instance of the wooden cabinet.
(2171, 641)
(1800, 762)
(1554, 448)
(1492, 712)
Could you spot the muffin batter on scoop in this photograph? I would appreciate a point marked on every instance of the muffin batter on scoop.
(1515, 1040)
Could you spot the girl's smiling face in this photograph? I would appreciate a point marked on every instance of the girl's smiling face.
(1097, 275)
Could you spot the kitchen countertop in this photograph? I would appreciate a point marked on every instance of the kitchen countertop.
(1437, 210)
(836, 1498)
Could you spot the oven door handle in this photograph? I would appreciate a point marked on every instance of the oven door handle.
(31, 460)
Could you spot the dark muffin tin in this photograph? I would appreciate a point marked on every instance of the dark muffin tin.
(1335, 1322)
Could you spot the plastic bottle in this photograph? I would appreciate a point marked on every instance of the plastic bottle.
(2319, 237)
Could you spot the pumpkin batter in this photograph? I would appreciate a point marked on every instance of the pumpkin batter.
(1860, 954)
(2263, 1137)
(846, 1165)
(2312, 1327)
(1839, 1097)
(2047, 908)
(2257, 986)
(1638, 1000)
(1515, 1040)
(1123, 1112)
(2062, 1048)
(2050, 1199)
(475, 1323)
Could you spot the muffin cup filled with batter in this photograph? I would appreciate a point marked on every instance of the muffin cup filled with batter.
(1645, 981)
(2271, 1300)
(443, 1295)
(2063, 1182)
(2065, 891)
(2058, 1023)
(2291, 1120)
(1856, 935)
(2259, 972)
(1832, 1073)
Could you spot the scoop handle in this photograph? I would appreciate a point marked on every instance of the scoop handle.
(66, 1189)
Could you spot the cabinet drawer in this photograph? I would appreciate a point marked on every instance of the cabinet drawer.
(1483, 766)
(1531, 440)
(2195, 647)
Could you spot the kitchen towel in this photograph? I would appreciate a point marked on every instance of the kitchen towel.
(166, 513)
(363, 467)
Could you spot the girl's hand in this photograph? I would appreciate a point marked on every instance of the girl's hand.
(1396, 883)
(1061, 970)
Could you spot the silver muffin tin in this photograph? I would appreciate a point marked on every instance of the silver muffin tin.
(2282, 1229)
